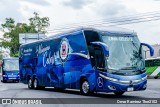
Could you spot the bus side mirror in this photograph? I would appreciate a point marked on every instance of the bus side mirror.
(106, 51)
(150, 48)
(104, 47)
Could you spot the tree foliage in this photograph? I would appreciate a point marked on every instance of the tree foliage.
(39, 23)
(12, 30)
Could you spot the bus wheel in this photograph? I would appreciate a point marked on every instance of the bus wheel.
(84, 89)
(118, 93)
(30, 84)
(35, 84)
(4, 81)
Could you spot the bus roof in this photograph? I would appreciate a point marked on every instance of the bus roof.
(106, 29)
(10, 58)
(111, 30)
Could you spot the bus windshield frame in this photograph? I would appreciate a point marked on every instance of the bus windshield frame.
(126, 56)
(10, 65)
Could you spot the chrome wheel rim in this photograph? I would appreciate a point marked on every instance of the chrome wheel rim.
(30, 83)
(35, 83)
(85, 87)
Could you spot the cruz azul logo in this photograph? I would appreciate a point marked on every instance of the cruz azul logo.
(64, 49)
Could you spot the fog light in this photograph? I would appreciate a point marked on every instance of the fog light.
(145, 86)
(111, 87)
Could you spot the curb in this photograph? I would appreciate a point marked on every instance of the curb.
(153, 77)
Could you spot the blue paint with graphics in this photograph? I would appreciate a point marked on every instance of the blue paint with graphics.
(63, 60)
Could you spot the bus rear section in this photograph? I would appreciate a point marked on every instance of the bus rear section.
(153, 67)
(92, 60)
(10, 70)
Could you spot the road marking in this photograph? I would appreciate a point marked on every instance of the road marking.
(3, 88)
(155, 72)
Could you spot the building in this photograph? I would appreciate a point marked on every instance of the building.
(156, 51)
(30, 37)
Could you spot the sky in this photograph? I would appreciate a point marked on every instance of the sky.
(67, 12)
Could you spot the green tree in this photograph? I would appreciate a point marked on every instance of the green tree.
(39, 23)
(1, 56)
(12, 30)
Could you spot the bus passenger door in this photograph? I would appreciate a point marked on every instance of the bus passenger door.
(99, 66)
(99, 59)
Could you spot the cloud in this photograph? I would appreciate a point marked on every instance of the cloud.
(76, 4)
(111, 9)
(19, 10)
(38, 2)
(77, 11)
(9, 9)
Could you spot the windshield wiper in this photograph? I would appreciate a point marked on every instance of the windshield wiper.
(139, 49)
(128, 68)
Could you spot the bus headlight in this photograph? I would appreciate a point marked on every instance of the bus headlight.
(145, 86)
(4, 75)
(108, 78)
(144, 78)
(123, 81)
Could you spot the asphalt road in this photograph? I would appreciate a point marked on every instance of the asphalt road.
(19, 90)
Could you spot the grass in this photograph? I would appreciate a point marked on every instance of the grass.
(150, 70)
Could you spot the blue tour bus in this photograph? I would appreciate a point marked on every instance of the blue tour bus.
(89, 59)
(10, 70)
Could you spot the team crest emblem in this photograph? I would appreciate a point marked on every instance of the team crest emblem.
(64, 49)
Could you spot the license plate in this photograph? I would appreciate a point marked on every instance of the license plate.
(12, 78)
(130, 89)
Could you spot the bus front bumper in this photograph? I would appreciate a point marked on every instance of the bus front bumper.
(120, 85)
(11, 78)
(111, 86)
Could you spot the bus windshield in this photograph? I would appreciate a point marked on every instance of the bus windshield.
(126, 56)
(11, 65)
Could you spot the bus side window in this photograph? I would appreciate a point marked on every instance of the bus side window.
(91, 36)
(92, 54)
(99, 59)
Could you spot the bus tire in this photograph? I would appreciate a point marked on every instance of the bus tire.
(35, 84)
(4, 81)
(30, 83)
(119, 93)
(84, 88)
